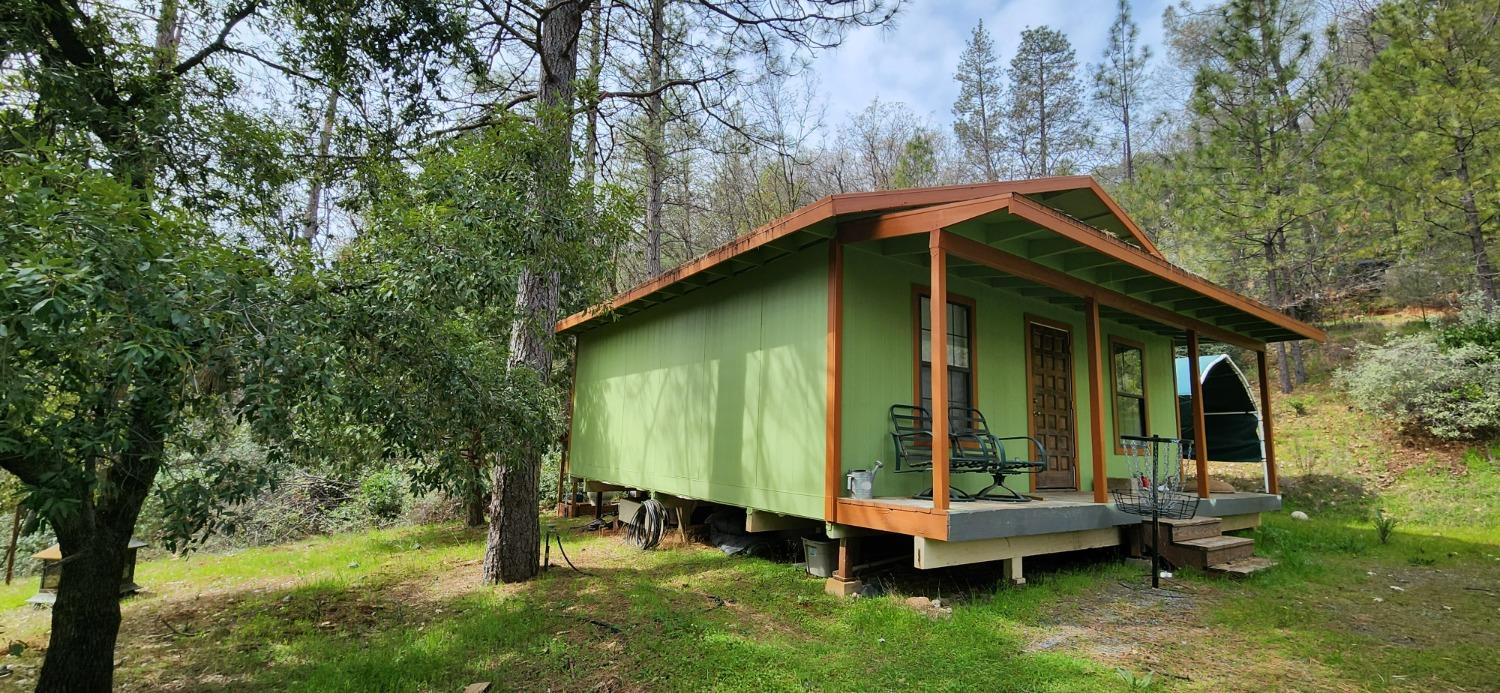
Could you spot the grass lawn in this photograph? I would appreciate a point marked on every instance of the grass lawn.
(401, 609)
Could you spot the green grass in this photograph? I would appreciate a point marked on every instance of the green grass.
(400, 610)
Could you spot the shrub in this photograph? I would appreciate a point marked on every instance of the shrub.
(1448, 393)
(382, 495)
(1478, 325)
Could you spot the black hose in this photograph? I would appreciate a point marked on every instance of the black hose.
(647, 525)
(564, 552)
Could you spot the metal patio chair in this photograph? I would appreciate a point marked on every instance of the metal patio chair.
(982, 450)
(911, 431)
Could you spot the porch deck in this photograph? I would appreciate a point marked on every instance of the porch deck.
(1057, 512)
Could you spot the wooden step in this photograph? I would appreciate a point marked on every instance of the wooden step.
(1207, 551)
(1183, 530)
(1243, 567)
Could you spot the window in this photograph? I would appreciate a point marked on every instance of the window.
(1128, 363)
(960, 353)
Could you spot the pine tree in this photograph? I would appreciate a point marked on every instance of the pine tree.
(977, 112)
(1046, 119)
(1120, 81)
(1251, 175)
(1425, 126)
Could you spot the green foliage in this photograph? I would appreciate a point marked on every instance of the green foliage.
(1447, 393)
(1120, 82)
(120, 314)
(424, 303)
(1420, 152)
(1385, 525)
(977, 113)
(383, 494)
(1045, 115)
(1137, 682)
(1478, 324)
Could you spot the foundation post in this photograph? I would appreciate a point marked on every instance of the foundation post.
(843, 583)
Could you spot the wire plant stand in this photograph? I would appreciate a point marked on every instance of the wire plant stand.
(1155, 487)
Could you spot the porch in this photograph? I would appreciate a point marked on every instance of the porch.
(1055, 513)
(1069, 298)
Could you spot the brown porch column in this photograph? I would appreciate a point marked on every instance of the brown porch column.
(939, 320)
(833, 426)
(1096, 397)
(1200, 439)
(1266, 429)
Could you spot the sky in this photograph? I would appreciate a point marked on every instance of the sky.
(913, 62)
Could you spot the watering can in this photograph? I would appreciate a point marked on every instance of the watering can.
(861, 483)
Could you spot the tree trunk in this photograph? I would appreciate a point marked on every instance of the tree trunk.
(474, 506)
(86, 616)
(1283, 373)
(513, 551)
(1041, 112)
(93, 538)
(315, 186)
(1484, 270)
(1299, 364)
(656, 135)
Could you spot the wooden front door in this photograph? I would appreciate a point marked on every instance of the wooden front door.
(1049, 376)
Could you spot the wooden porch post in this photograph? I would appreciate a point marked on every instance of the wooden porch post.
(1096, 397)
(1200, 438)
(1266, 429)
(833, 429)
(938, 304)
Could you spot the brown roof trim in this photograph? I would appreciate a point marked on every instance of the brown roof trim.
(1114, 247)
(791, 223)
(947, 205)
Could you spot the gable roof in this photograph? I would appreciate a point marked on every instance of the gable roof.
(1078, 200)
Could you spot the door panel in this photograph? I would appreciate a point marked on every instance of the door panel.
(1050, 379)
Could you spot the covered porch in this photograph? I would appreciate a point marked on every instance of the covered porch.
(1029, 265)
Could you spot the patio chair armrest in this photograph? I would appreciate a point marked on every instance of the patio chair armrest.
(1041, 450)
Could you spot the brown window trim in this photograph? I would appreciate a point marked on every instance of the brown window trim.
(917, 292)
(1114, 392)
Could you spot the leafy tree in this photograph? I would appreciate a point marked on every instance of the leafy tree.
(122, 319)
(1423, 142)
(424, 297)
(977, 118)
(1248, 179)
(1046, 117)
(917, 166)
(1120, 82)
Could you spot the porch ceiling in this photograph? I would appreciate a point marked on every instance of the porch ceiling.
(1042, 263)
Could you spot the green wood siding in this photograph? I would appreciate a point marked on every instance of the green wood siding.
(719, 395)
(878, 368)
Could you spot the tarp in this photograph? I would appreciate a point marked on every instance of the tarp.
(1231, 420)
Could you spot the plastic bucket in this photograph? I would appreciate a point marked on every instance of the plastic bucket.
(821, 556)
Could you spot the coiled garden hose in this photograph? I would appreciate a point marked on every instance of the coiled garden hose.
(647, 525)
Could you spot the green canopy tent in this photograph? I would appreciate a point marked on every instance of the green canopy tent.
(1231, 419)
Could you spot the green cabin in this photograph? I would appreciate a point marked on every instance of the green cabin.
(760, 374)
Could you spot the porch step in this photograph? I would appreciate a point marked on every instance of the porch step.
(1184, 530)
(1242, 568)
(1207, 551)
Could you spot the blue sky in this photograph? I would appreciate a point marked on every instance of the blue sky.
(914, 61)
